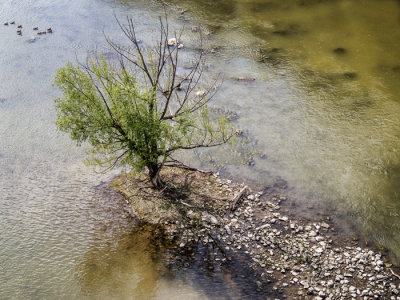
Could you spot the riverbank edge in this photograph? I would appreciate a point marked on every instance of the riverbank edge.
(292, 257)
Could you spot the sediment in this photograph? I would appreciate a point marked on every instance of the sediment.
(291, 257)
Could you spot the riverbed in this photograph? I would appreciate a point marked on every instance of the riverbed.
(321, 120)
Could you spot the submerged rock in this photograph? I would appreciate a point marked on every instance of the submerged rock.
(350, 75)
(339, 50)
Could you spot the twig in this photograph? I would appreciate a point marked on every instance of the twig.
(237, 197)
(184, 203)
(185, 167)
(160, 192)
(394, 274)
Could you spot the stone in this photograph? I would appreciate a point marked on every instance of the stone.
(173, 42)
(325, 225)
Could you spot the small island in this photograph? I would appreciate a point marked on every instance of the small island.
(289, 257)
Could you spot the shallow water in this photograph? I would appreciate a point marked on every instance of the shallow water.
(324, 107)
(324, 110)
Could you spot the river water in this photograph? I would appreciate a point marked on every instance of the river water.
(322, 117)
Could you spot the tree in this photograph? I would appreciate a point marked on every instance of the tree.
(138, 110)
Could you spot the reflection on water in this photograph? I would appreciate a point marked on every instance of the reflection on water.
(324, 111)
(325, 106)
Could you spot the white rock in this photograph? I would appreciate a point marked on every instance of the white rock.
(173, 42)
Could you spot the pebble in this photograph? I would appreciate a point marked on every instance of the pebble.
(173, 42)
(303, 259)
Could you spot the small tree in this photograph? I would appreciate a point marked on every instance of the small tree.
(138, 111)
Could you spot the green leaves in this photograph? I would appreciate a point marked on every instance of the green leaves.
(137, 121)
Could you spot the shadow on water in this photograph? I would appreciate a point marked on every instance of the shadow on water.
(142, 263)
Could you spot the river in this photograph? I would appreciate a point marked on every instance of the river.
(322, 119)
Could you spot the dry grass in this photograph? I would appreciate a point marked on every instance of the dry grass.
(185, 191)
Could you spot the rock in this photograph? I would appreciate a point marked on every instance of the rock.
(35, 28)
(19, 26)
(340, 51)
(325, 225)
(12, 22)
(350, 75)
(173, 42)
(209, 218)
(6, 24)
(49, 30)
(247, 79)
(312, 233)
(379, 263)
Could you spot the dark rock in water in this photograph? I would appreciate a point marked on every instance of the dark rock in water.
(281, 32)
(396, 69)
(19, 32)
(245, 79)
(19, 26)
(49, 30)
(6, 23)
(35, 28)
(292, 29)
(350, 75)
(271, 56)
(340, 51)
(12, 22)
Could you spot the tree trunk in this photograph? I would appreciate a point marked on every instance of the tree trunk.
(154, 174)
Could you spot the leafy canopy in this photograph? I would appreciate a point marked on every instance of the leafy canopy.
(137, 123)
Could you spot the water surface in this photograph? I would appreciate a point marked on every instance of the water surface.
(322, 114)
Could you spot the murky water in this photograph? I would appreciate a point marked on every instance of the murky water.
(325, 105)
(324, 109)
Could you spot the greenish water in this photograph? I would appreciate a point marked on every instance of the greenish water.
(323, 110)
(325, 105)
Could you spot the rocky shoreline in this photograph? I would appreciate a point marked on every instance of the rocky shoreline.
(292, 258)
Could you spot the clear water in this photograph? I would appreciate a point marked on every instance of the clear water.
(327, 122)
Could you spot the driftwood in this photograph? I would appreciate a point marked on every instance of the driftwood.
(237, 197)
(394, 273)
(177, 164)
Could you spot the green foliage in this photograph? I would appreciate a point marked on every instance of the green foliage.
(132, 127)
(131, 122)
